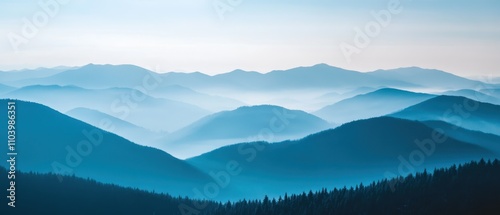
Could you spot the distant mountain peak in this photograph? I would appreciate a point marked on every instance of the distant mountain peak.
(393, 91)
(239, 71)
(91, 65)
(322, 65)
(52, 87)
(263, 106)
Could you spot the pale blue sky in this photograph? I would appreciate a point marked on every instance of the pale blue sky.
(458, 36)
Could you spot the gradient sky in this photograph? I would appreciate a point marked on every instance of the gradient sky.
(458, 36)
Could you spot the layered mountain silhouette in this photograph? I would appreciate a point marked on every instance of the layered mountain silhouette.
(14, 77)
(127, 104)
(49, 141)
(428, 78)
(334, 97)
(474, 95)
(460, 111)
(5, 89)
(249, 123)
(99, 76)
(237, 88)
(374, 104)
(486, 140)
(492, 92)
(319, 76)
(112, 124)
(466, 189)
(359, 151)
(205, 101)
(349, 94)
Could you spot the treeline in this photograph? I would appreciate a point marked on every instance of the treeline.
(473, 188)
(45, 194)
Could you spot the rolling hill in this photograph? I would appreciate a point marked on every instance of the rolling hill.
(474, 95)
(5, 89)
(492, 92)
(49, 141)
(485, 140)
(364, 150)
(374, 104)
(114, 125)
(264, 122)
(460, 111)
(124, 103)
(471, 188)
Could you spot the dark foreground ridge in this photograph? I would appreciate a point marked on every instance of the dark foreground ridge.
(472, 188)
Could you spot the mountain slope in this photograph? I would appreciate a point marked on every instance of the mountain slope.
(84, 196)
(492, 92)
(474, 95)
(430, 78)
(471, 188)
(14, 77)
(374, 104)
(99, 76)
(485, 140)
(5, 89)
(364, 150)
(114, 125)
(326, 76)
(460, 111)
(124, 103)
(205, 101)
(319, 76)
(264, 122)
(49, 141)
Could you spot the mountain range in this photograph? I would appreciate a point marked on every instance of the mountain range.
(95, 77)
(5, 89)
(49, 141)
(360, 151)
(428, 78)
(459, 111)
(227, 91)
(114, 125)
(320, 76)
(277, 131)
(248, 123)
(18, 75)
(205, 101)
(124, 103)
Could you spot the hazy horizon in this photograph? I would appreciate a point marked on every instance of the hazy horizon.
(484, 78)
(459, 37)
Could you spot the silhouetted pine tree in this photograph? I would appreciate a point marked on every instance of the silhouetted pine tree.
(472, 188)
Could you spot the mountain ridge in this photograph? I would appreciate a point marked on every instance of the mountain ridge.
(54, 142)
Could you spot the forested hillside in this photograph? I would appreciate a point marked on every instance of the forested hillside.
(473, 188)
